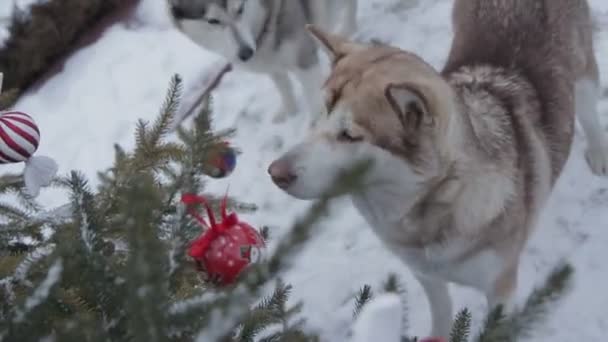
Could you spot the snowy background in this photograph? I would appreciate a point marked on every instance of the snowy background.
(106, 87)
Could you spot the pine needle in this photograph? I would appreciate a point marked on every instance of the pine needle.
(364, 296)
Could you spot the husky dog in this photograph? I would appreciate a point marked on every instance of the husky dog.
(464, 158)
(267, 36)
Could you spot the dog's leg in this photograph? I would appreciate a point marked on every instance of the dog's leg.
(440, 303)
(587, 94)
(311, 79)
(503, 290)
(350, 20)
(288, 99)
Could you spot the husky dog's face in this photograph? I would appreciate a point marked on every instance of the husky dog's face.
(381, 107)
(219, 25)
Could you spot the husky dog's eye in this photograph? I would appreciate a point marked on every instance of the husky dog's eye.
(239, 11)
(345, 136)
(213, 21)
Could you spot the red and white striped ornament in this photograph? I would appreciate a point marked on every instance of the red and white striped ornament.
(19, 139)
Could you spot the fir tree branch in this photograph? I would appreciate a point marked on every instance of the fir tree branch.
(269, 311)
(34, 257)
(42, 291)
(146, 283)
(495, 327)
(364, 296)
(222, 309)
(541, 300)
(84, 211)
(15, 185)
(461, 329)
(12, 212)
(167, 113)
(394, 285)
(520, 323)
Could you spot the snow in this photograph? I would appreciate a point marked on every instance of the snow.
(380, 320)
(103, 90)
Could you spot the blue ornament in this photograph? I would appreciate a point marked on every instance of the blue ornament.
(221, 161)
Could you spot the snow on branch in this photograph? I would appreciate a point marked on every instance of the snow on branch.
(42, 292)
(380, 320)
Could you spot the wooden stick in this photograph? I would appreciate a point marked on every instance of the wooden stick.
(199, 100)
(214, 83)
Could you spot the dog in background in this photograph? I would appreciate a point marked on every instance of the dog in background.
(464, 159)
(269, 37)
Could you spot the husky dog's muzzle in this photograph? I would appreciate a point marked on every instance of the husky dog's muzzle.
(245, 41)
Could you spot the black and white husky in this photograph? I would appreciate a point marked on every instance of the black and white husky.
(268, 36)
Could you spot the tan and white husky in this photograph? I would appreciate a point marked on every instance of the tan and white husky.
(466, 157)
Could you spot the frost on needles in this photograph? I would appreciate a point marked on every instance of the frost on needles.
(112, 266)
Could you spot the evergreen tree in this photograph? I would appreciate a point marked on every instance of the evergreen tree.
(112, 265)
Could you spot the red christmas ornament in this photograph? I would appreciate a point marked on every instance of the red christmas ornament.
(225, 248)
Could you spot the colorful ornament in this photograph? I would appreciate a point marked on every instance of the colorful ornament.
(225, 248)
(221, 161)
(19, 139)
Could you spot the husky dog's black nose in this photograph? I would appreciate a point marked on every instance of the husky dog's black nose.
(245, 53)
(281, 174)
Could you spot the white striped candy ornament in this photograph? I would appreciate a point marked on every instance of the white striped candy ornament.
(19, 139)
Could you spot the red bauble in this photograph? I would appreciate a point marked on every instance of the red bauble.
(225, 248)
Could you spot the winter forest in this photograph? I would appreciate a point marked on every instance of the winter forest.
(202, 170)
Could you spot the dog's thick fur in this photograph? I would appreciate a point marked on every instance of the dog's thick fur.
(269, 37)
(464, 159)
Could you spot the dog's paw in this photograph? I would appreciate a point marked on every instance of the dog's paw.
(597, 159)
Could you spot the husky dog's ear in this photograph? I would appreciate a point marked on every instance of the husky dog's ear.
(334, 45)
(409, 104)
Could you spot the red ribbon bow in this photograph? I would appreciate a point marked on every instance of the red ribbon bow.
(213, 229)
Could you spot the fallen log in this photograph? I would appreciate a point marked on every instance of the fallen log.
(41, 40)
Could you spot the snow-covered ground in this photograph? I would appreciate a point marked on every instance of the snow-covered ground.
(106, 87)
